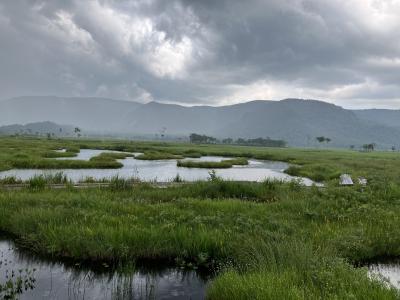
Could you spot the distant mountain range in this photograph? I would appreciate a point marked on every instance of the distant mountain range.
(38, 128)
(296, 121)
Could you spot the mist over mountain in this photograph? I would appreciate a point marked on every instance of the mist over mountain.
(386, 117)
(97, 114)
(38, 128)
(296, 121)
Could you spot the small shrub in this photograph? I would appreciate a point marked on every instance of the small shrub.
(177, 178)
(212, 176)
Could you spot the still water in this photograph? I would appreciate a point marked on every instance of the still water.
(166, 170)
(388, 272)
(56, 280)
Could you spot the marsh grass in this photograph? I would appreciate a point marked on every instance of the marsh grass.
(152, 155)
(118, 183)
(224, 164)
(177, 178)
(10, 180)
(264, 238)
(269, 240)
(38, 182)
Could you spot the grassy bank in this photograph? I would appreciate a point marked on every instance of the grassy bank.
(266, 239)
(223, 164)
(152, 155)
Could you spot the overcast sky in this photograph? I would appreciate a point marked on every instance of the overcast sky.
(211, 52)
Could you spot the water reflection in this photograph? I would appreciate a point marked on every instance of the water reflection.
(387, 271)
(55, 280)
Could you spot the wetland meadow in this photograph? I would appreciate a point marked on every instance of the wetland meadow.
(287, 231)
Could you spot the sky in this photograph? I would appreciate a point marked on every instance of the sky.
(203, 52)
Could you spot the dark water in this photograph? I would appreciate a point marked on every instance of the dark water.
(56, 280)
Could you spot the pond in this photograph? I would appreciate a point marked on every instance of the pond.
(166, 170)
(387, 271)
(56, 280)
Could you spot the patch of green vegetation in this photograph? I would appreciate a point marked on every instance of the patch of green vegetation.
(223, 164)
(152, 155)
(10, 180)
(38, 182)
(16, 281)
(30, 153)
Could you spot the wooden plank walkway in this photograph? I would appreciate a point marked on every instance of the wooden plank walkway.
(88, 185)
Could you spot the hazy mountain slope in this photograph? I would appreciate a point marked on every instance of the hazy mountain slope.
(385, 117)
(296, 121)
(38, 128)
(89, 113)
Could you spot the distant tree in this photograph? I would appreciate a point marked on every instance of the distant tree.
(240, 141)
(393, 148)
(320, 139)
(48, 135)
(352, 147)
(328, 140)
(369, 147)
(77, 131)
(227, 141)
(202, 139)
(263, 142)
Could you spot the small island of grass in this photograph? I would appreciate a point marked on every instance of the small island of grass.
(224, 164)
(158, 156)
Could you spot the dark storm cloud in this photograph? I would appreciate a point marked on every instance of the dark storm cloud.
(210, 52)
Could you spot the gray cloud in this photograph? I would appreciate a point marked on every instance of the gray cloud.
(203, 52)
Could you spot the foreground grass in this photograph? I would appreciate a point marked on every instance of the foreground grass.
(268, 241)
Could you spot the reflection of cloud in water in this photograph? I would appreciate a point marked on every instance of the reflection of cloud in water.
(389, 272)
(56, 281)
(165, 170)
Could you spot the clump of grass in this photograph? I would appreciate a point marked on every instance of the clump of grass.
(119, 183)
(316, 172)
(192, 153)
(177, 178)
(37, 182)
(224, 164)
(10, 180)
(40, 181)
(213, 177)
(153, 155)
(16, 282)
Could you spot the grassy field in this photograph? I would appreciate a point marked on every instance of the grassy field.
(267, 240)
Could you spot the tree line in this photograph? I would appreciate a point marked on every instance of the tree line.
(263, 142)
